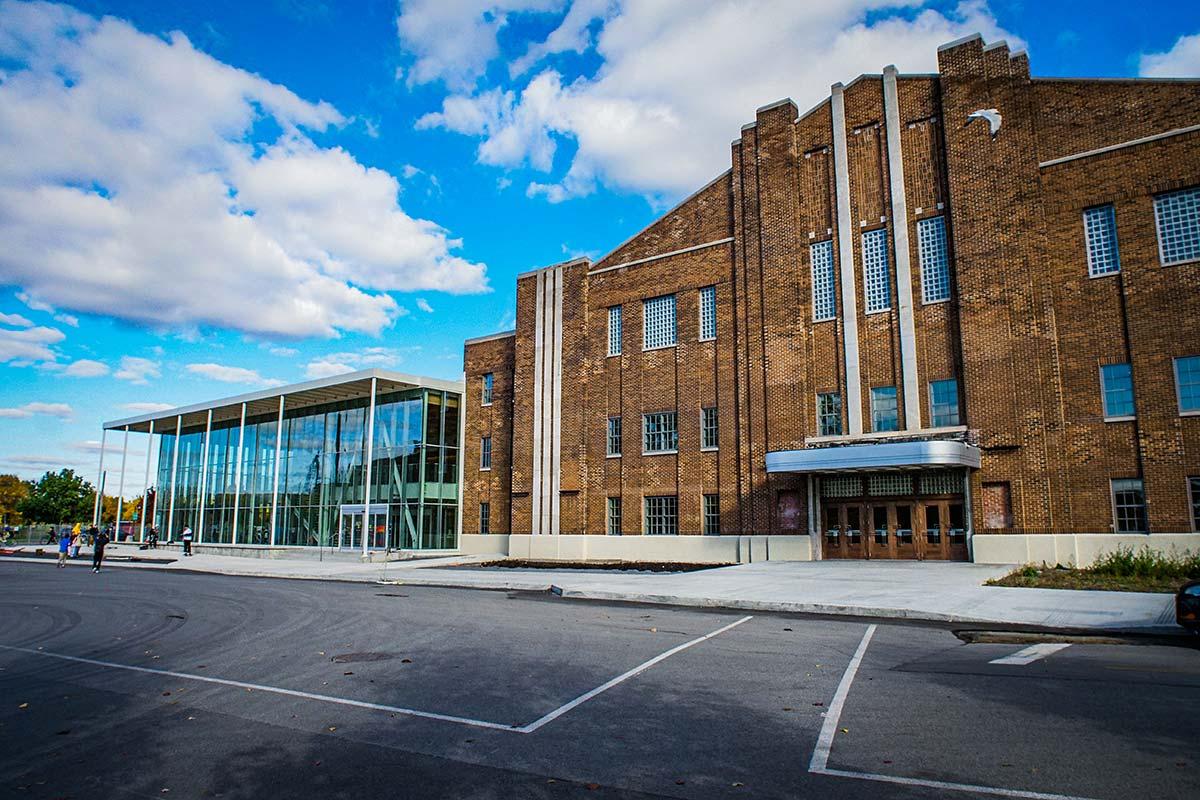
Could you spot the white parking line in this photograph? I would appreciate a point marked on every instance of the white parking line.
(819, 764)
(410, 712)
(1031, 653)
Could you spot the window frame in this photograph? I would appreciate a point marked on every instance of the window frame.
(673, 433)
(671, 521)
(614, 341)
(612, 522)
(674, 338)
(837, 413)
(826, 263)
(1112, 493)
(1188, 412)
(884, 268)
(924, 248)
(707, 297)
(705, 428)
(895, 409)
(1194, 500)
(933, 404)
(1104, 392)
(485, 454)
(485, 517)
(613, 430)
(1111, 222)
(1162, 197)
(709, 515)
(487, 388)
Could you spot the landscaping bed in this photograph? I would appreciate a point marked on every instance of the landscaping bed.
(1123, 570)
(625, 566)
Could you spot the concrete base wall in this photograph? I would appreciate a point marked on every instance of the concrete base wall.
(1072, 549)
(313, 553)
(680, 549)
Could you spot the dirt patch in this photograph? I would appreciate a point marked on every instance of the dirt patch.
(623, 566)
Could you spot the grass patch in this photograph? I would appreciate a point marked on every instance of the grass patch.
(1123, 570)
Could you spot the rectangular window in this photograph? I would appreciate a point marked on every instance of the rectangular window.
(485, 453)
(659, 433)
(1187, 383)
(1100, 230)
(943, 402)
(708, 428)
(1194, 496)
(614, 330)
(614, 516)
(1178, 218)
(485, 518)
(1116, 380)
(1129, 505)
(824, 289)
(829, 414)
(884, 413)
(708, 313)
(485, 395)
(935, 263)
(658, 322)
(662, 516)
(877, 288)
(613, 437)
(712, 515)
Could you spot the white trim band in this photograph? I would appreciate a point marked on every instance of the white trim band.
(1110, 148)
(635, 262)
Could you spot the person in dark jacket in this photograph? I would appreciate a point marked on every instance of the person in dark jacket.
(99, 542)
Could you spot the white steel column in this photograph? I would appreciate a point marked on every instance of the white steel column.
(146, 485)
(174, 472)
(556, 405)
(367, 466)
(204, 476)
(275, 486)
(121, 485)
(98, 504)
(904, 288)
(237, 475)
(841, 168)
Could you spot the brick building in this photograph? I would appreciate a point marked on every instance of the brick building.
(930, 309)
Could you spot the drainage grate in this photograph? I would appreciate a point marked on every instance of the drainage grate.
(354, 658)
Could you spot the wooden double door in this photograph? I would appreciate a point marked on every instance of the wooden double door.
(895, 527)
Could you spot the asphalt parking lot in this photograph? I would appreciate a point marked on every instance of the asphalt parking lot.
(138, 683)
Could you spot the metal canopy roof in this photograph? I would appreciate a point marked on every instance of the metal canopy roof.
(886, 455)
(350, 386)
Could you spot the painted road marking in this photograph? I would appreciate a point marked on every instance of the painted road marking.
(819, 764)
(410, 712)
(1031, 654)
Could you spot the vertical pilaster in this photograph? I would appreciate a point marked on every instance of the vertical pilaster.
(846, 272)
(535, 484)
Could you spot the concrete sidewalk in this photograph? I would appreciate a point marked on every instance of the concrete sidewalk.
(936, 591)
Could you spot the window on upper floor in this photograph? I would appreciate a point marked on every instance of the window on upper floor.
(1129, 505)
(877, 288)
(660, 433)
(1100, 231)
(1177, 215)
(485, 453)
(884, 411)
(829, 414)
(612, 439)
(943, 403)
(935, 261)
(658, 322)
(661, 516)
(614, 330)
(708, 428)
(708, 313)
(1187, 384)
(1116, 383)
(824, 287)
(485, 393)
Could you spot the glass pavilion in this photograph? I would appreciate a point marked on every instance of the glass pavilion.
(289, 467)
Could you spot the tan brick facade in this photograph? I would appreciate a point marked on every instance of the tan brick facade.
(1024, 331)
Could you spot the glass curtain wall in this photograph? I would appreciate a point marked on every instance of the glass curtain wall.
(414, 474)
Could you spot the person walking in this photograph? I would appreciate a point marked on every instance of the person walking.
(76, 539)
(64, 543)
(153, 538)
(51, 536)
(99, 542)
(187, 540)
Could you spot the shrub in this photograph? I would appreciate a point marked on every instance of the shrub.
(1127, 562)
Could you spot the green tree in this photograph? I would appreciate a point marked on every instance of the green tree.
(59, 497)
(12, 491)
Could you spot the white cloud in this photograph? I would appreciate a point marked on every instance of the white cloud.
(26, 345)
(227, 374)
(61, 410)
(1181, 61)
(325, 368)
(283, 352)
(146, 408)
(423, 304)
(339, 363)
(134, 165)
(15, 320)
(85, 368)
(136, 369)
(678, 79)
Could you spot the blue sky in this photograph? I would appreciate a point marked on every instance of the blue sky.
(201, 199)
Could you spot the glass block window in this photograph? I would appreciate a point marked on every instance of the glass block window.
(485, 517)
(1100, 230)
(935, 263)
(485, 394)
(1178, 217)
(708, 313)
(662, 516)
(941, 483)
(708, 429)
(1129, 505)
(1194, 496)
(829, 414)
(1116, 381)
(712, 515)
(877, 289)
(614, 516)
(485, 453)
(885, 484)
(658, 322)
(841, 486)
(943, 403)
(1187, 383)
(660, 433)
(614, 331)
(824, 289)
(884, 412)
(613, 437)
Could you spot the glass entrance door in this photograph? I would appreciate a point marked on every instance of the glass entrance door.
(350, 532)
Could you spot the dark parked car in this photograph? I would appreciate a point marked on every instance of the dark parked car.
(1187, 606)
